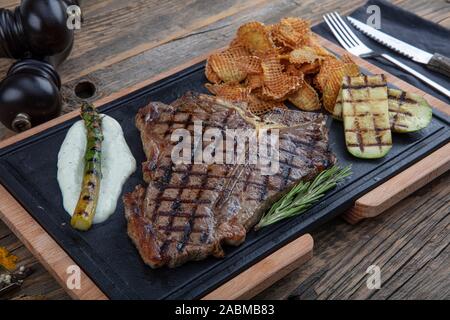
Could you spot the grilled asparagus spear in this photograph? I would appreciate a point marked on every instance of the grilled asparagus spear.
(90, 188)
(366, 116)
(407, 112)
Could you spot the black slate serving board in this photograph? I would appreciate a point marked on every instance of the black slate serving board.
(106, 254)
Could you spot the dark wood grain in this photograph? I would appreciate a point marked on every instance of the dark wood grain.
(409, 242)
(40, 282)
(123, 43)
(440, 64)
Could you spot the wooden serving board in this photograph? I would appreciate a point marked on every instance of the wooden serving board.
(267, 271)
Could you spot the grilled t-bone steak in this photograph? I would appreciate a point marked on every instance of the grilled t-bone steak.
(188, 211)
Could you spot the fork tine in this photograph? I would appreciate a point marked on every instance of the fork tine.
(342, 30)
(336, 33)
(350, 31)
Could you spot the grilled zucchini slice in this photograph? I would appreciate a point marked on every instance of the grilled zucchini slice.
(337, 111)
(366, 116)
(408, 112)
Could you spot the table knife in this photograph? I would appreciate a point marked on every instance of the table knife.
(436, 62)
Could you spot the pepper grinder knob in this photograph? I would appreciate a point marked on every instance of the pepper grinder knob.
(35, 28)
(29, 95)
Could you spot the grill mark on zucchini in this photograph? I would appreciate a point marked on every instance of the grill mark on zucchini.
(401, 125)
(405, 99)
(368, 130)
(369, 144)
(401, 112)
(357, 100)
(361, 86)
(401, 101)
(365, 110)
(408, 112)
(358, 132)
(377, 134)
(362, 114)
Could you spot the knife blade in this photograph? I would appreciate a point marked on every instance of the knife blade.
(435, 62)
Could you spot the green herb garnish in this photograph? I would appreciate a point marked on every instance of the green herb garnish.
(303, 196)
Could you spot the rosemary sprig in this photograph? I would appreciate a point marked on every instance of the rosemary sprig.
(303, 196)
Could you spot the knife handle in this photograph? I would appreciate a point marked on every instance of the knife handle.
(418, 75)
(440, 64)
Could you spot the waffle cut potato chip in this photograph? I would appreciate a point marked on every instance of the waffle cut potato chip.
(254, 81)
(306, 98)
(265, 65)
(313, 42)
(291, 32)
(258, 107)
(337, 110)
(277, 84)
(235, 43)
(226, 64)
(255, 38)
(210, 74)
(350, 64)
(334, 81)
(292, 70)
(310, 68)
(250, 64)
(304, 55)
(234, 92)
(329, 66)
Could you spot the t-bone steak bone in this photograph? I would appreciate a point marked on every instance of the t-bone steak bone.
(189, 211)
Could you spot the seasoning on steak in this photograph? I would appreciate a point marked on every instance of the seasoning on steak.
(189, 211)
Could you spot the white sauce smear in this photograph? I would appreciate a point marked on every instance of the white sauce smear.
(117, 165)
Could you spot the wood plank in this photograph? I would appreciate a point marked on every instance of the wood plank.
(70, 115)
(219, 34)
(40, 283)
(400, 186)
(409, 242)
(172, 19)
(175, 52)
(114, 30)
(113, 78)
(266, 272)
(190, 46)
(43, 247)
(113, 27)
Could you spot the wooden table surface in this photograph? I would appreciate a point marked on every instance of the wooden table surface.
(122, 43)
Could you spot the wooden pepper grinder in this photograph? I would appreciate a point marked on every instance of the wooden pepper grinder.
(29, 95)
(34, 27)
(37, 32)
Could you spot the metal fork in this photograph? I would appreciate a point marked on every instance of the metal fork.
(348, 39)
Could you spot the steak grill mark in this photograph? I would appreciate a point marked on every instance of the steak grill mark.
(188, 228)
(197, 208)
(167, 172)
(377, 133)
